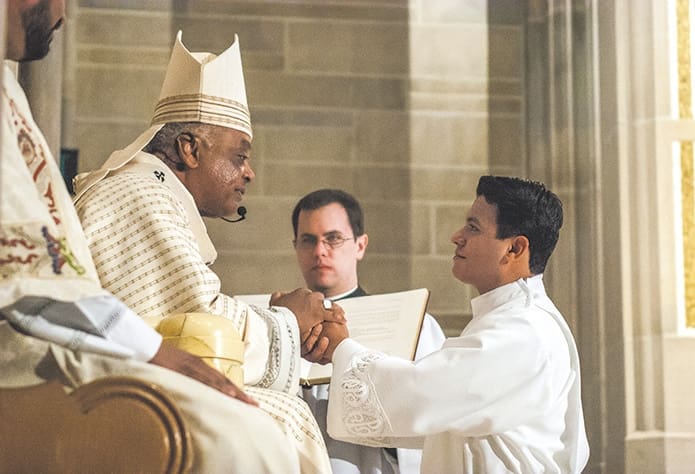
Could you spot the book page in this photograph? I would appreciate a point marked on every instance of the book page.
(389, 323)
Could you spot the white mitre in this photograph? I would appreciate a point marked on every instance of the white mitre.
(198, 87)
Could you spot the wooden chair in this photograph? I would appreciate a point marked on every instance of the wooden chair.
(114, 425)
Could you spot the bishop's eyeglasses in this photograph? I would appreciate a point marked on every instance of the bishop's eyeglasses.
(332, 241)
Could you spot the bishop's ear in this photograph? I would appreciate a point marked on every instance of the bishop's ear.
(187, 149)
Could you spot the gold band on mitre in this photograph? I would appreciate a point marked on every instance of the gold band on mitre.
(203, 108)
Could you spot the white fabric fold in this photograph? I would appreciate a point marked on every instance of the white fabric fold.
(100, 324)
(73, 339)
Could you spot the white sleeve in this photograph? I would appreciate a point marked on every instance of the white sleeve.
(273, 344)
(431, 337)
(475, 384)
(95, 324)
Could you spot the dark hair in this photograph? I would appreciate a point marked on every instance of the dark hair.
(324, 197)
(525, 208)
(163, 144)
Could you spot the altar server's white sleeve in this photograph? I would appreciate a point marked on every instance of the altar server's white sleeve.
(431, 337)
(485, 382)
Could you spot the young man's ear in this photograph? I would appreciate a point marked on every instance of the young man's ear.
(518, 247)
(187, 149)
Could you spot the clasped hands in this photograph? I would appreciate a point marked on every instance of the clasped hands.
(321, 327)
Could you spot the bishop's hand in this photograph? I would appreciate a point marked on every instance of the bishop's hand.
(311, 310)
(194, 367)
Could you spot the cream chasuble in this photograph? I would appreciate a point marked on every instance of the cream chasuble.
(502, 397)
(151, 249)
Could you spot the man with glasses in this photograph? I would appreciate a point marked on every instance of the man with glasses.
(329, 240)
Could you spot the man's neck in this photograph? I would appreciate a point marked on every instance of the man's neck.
(343, 294)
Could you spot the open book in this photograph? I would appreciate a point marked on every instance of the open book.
(388, 322)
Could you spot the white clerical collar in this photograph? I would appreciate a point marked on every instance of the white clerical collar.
(150, 164)
(527, 287)
(342, 295)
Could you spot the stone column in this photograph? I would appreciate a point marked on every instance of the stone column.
(567, 150)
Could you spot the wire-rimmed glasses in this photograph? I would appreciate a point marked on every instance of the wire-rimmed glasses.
(332, 240)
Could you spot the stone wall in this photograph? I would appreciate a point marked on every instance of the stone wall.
(466, 108)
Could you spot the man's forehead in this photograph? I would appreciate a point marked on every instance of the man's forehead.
(332, 215)
(482, 211)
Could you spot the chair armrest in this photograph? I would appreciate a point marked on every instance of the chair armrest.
(113, 424)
